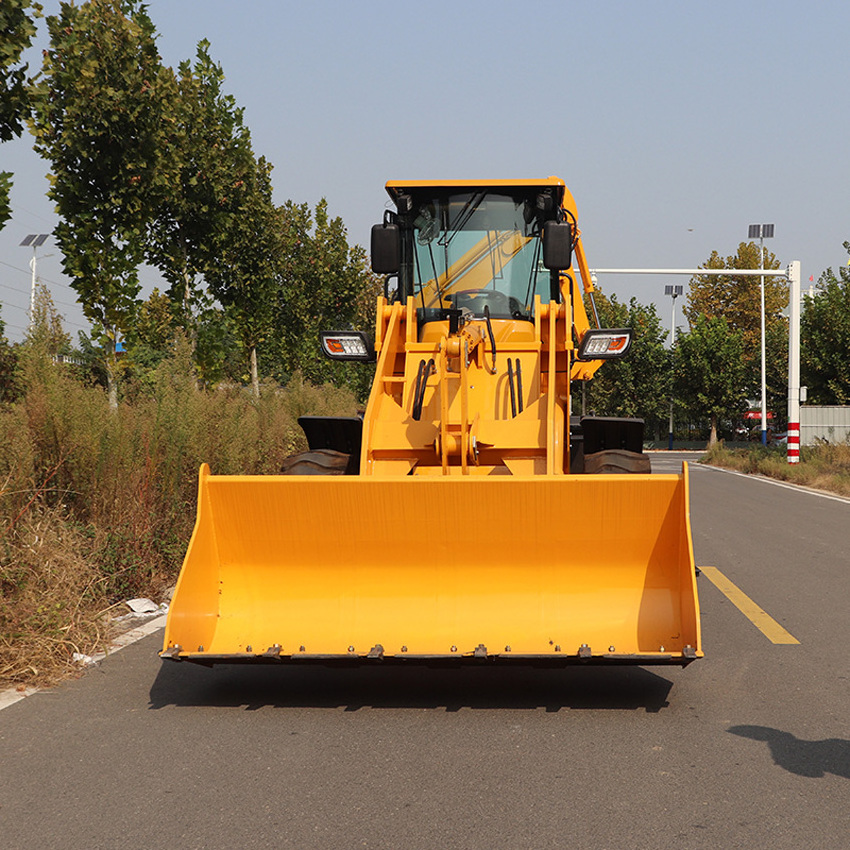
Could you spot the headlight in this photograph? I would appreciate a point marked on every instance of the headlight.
(347, 345)
(605, 344)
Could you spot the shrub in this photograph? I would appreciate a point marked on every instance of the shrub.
(97, 506)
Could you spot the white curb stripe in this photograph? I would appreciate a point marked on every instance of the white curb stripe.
(11, 695)
(799, 488)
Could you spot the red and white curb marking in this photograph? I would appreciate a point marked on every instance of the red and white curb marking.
(793, 442)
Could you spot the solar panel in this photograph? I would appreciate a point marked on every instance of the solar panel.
(35, 239)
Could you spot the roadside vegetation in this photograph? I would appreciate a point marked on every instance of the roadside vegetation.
(824, 467)
(96, 506)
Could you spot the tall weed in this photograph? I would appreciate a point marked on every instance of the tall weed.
(825, 466)
(97, 505)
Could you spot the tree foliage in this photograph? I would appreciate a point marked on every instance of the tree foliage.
(708, 369)
(8, 368)
(46, 330)
(17, 27)
(825, 339)
(638, 385)
(244, 268)
(103, 118)
(737, 299)
(211, 152)
(325, 285)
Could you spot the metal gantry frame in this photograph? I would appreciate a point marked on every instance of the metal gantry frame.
(792, 275)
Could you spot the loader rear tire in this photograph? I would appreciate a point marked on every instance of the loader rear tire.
(617, 462)
(317, 462)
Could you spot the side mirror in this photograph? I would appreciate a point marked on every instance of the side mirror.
(557, 245)
(386, 249)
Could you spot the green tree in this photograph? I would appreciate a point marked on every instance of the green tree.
(46, 330)
(243, 271)
(638, 385)
(219, 355)
(17, 28)
(9, 385)
(150, 339)
(708, 370)
(825, 338)
(326, 284)
(102, 117)
(737, 299)
(211, 152)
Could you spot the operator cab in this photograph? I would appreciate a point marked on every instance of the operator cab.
(475, 248)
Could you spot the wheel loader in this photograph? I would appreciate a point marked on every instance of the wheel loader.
(468, 516)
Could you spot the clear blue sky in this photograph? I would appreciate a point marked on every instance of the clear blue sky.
(675, 124)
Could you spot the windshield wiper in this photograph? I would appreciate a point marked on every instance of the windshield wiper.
(462, 218)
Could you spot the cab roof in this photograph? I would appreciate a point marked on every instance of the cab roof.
(398, 187)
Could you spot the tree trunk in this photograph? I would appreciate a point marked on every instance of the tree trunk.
(255, 378)
(191, 329)
(712, 437)
(111, 372)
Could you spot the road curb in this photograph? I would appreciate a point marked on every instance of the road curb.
(12, 695)
(786, 484)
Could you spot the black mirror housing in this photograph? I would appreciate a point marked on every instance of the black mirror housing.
(557, 245)
(386, 249)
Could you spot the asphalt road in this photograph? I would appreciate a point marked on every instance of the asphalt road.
(749, 747)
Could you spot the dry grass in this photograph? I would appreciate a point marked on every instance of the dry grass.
(97, 506)
(52, 603)
(824, 467)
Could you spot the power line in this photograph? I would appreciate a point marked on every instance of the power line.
(26, 313)
(55, 300)
(30, 212)
(40, 277)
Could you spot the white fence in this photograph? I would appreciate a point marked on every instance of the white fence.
(830, 423)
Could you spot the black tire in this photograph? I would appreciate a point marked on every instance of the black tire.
(618, 462)
(317, 462)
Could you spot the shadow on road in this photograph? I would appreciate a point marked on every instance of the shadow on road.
(805, 758)
(624, 688)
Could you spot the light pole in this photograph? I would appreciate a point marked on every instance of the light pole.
(36, 240)
(762, 232)
(675, 291)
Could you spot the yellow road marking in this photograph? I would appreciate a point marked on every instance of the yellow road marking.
(758, 617)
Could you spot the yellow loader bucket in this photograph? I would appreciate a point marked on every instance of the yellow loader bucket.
(545, 569)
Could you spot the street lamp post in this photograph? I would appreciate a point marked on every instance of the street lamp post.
(762, 232)
(675, 291)
(34, 240)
